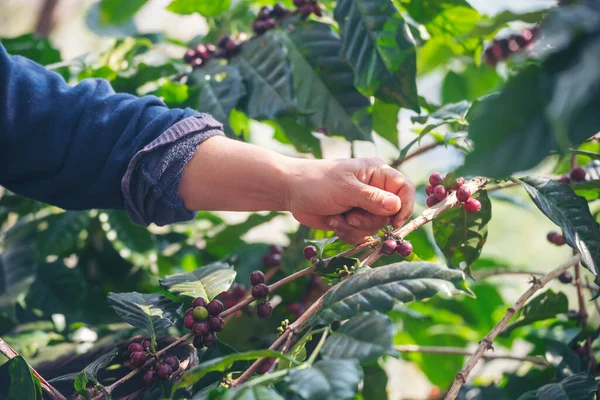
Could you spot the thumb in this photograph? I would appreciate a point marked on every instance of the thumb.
(377, 201)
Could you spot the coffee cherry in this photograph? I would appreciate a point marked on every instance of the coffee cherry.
(172, 362)
(149, 377)
(305, 10)
(265, 13)
(310, 252)
(196, 62)
(239, 292)
(216, 323)
(257, 277)
(222, 43)
(189, 56)
(565, 277)
(436, 179)
(577, 174)
(269, 24)
(472, 205)
(133, 347)
(463, 194)
(188, 321)
(564, 179)
(200, 313)
(260, 291)
(404, 248)
(317, 10)
(232, 46)
(278, 11)
(215, 307)
(199, 302)
(200, 328)
(440, 192)
(210, 48)
(189, 311)
(264, 309)
(458, 183)
(388, 247)
(146, 344)
(137, 358)
(274, 249)
(163, 371)
(556, 238)
(432, 201)
(210, 339)
(271, 260)
(259, 27)
(197, 342)
(201, 51)
(429, 190)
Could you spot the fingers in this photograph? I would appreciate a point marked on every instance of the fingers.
(377, 201)
(348, 233)
(391, 180)
(313, 221)
(365, 221)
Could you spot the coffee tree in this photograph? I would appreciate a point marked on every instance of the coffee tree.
(204, 314)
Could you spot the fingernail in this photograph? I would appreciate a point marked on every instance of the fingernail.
(354, 222)
(390, 203)
(334, 223)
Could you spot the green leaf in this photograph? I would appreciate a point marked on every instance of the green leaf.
(385, 121)
(461, 235)
(381, 288)
(151, 313)
(80, 384)
(327, 379)
(576, 387)
(32, 47)
(470, 84)
(268, 76)
(365, 338)
(489, 26)
(207, 281)
(117, 12)
(222, 364)
(291, 130)
(172, 93)
(544, 306)
(23, 385)
(379, 47)
(374, 383)
(133, 242)
(571, 213)
(424, 11)
(62, 234)
(207, 8)
(323, 83)
(254, 392)
(18, 268)
(562, 357)
(511, 126)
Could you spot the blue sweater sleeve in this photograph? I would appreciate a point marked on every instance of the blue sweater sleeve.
(71, 146)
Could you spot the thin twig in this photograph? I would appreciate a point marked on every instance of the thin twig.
(487, 341)
(46, 18)
(456, 351)
(418, 152)
(499, 271)
(503, 186)
(10, 353)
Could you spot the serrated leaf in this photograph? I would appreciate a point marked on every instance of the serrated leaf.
(263, 63)
(62, 234)
(207, 281)
(23, 385)
(365, 338)
(381, 288)
(577, 387)
(327, 379)
(381, 50)
(544, 306)
(323, 83)
(571, 213)
(151, 313)
(461, 235)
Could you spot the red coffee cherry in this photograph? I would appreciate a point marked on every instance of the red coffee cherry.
(137, 358)
(404, 248)
(216, 323)
(388, 247)
(472, 205)
(172, 362)
(257, 277)
(146, 344)
(463, 194)
(274, 249)
(264, 309)
(310, 252)
(215, 307)
(564, 179)
(188, 321)
(133, 347)
(565, 277)
(260, 291)
(271, 260)
(440, 192)
(163, 371)
(189, 56)
(556, 238)
(199, 302)
(429, 190)
(197, 342)
(200, 328)
(210, 339)
(436, 179)
(149, 377)
(432, 201)
(577, 174)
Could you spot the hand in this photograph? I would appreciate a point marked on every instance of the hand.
(354, 198)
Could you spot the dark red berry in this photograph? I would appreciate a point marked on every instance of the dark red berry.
(264, 309)
(305, 10)
(529, 34)
(201, 51)
(274, 249)
(269, 24)
(211, 48)
(196, 62)
(189, 56)
(149, 377)
(520, 40)
(163, 371)
(137, 358)
(388, 247)
(232, 46)
(317, 10)
(216, 323)
(215, 307)
(490, 57)
(577, 174)
(429, 190)
(239, 292)
(565, 179)
(278, 11)
(440, 192)
(565, 277)
(210, 339)
(200, 328)
(472, 205)
(222, 43)
(458, 183)
(436, 179)
(513, 44)
(172, 362)
(404, 248)
(503, 44)
(271, 260)
(188, 321)
(463, 194)
(257, 277)
(556, 238)
(310, 252)
(133, 347)
(432, 201)
(146, 344)
(265, 13)
(189, 311)
(259, 27)
(198, 343)
(260, 291)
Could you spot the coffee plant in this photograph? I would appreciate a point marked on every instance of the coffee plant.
(95, 307)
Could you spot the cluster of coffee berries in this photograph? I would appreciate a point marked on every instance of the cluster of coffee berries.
(268, 17)
(576, 174)
(310, 253)
(161, 370)
(501, 49)
(233, 296)
(565, 277)
(204, 321)
(273, 257)
(389, 246)
(137, 353)
(200, 54)
(555, 238)
(307, 7)
(260, 291)
(438, 190)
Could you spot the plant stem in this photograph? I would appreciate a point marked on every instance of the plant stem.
(418, 152)
(499, 271)
(409, 348)
(10, 353)
(487, 341)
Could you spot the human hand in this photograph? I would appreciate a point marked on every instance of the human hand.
(354, 198)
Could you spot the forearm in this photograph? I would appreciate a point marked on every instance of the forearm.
(228, 175)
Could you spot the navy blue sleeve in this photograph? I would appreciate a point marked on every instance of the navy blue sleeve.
(71, 146)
